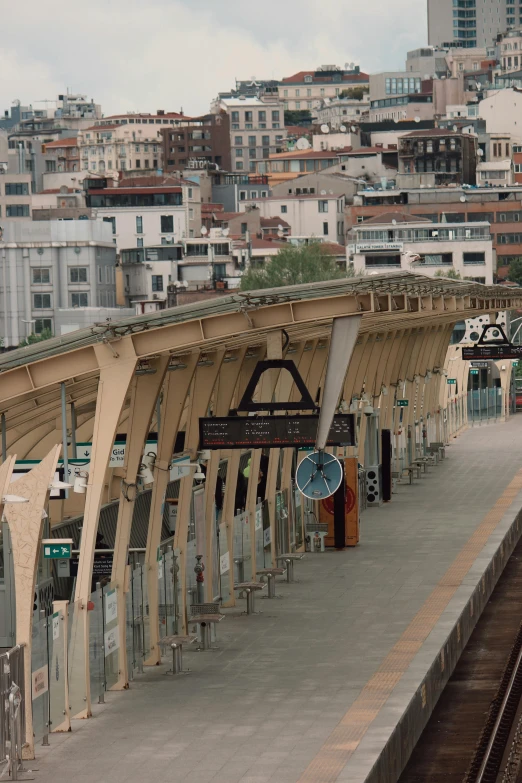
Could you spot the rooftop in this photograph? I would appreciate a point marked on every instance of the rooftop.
(298, 197)
(398, 217)
(71, 141)
(299, 77)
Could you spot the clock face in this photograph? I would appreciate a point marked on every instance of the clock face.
(319, 475)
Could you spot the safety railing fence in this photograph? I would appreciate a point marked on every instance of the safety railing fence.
(485, 405)
(12, 715)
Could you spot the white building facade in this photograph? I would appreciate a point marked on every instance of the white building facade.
(47, 265)
(433, 249)
(309, 215)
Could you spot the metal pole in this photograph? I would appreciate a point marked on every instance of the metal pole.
(4, 439)
(64, 439)
(158, 416)
(73, 431)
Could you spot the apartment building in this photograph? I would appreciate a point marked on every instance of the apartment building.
(337, 112)
(257, 130)
(501, 207)
(308, 215)
(48, 265)
(146, 273)
(128, 142)
(62, 155)
(289, 165)
(509, 48)
(198, 143)
(307, 90)
(451, 156)
(391, 241)
(470, 24)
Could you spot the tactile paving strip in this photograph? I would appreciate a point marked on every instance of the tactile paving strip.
(347, 735)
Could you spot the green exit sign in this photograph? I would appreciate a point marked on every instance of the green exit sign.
(452, 381)
(403, 403)
(473, 372)
(57, 549)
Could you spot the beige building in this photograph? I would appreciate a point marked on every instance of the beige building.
(510, 51)
(342, 111)
(257, 129)
(307, 90)
(309, 215)
(502, 110)
(130, 143)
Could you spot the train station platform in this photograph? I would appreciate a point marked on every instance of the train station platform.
(334, 681)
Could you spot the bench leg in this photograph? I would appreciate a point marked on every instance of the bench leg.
(177, 659)
(289, 570)
(205, 636)
(271, 586)
(250, 595)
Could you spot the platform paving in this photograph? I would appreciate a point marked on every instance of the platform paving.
(309, 689)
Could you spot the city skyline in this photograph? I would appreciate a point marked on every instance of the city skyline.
(126, 70)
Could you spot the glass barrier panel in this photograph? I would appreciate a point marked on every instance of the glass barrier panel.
(76, 658)
(146, 612)
(258, 537)
(57, 673)
(224, 563)
(40, 679)
(129, 621)
(191, 585)
(96, 649)
(111, 638)
(267, 538)
(162, 598)
(168, 585)
(178, 603)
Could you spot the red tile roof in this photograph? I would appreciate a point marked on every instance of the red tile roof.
(274, 222)
(431, 132)
(303, 154)
(69, 142)
(299, 197)
(399, 217)
(299, 77)
(57, 190)
(229, 215)
(153, 181)
(209, 208)
(132, 191)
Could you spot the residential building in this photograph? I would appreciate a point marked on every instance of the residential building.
(428, 60)
(198, 143)
(306, 90)
(50, 265)
(62, 155)
(230, 189)
(127, 142)
(400, 95)
(501, 111)
(15, 196)
(289, 165)
(509, 47)
(146, 273)
(393, 241)
(209, 261)
(500, 172)
(308, 215)
(466, 60)
(501, 207)
(147, 211)
(257, 129)
(337, 112)
(345, 177)
(237, 224)
(451, 156)
(466, 24)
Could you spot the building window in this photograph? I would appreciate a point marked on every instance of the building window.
(284, 209)
(238, 141)
(242, 195)
(297, 93)
(42, 301)
(139, 242)
(325, 229)
(266, 141)
(190, 193)
(298, 105)
(41, 276)
(157, 282)
(262, 116)
(50, 165)
(323, 206)
(112, 221)
(16, 189)
(235, 116)
(249, 116)
(17, 210)
(43, 324)
(139, 224)
(239, 153)
(78, 274)
(252, 152)
(244, 228)
(79, 300)
(191, 213)
(239, 165)
(167, 224)
(138, 164)
(474, 258)
(275, 116)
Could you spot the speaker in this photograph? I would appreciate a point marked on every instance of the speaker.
(386, 442)
(373, 485)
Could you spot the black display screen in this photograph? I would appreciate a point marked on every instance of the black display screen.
(492, 352)
(238, 432)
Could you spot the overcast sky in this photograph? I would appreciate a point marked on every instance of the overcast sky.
(167, 54)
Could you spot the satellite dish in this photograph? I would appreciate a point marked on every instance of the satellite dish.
(417, 119)
(353, 129)
(394, 222)
(480, 153)
(303, 144)
(463, 199)
(325, 128)
(319, 475)
(323, 192)
(343, 128)
(280, 227)
(226, 232)
(455, 129)
(204, 231)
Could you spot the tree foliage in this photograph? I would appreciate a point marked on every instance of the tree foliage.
(298, 117)
(356, 93)
(36, 338)
(451, 273)
(515, 271)
(312, 263)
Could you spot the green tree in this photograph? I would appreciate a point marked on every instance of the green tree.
(356, 93)
(451, 273)
(312, 263)
(45, 334)
(298, 117)
(515, 271)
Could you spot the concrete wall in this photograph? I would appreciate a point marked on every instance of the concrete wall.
(126, 235)
(304, 217)
(502, 110)
(440, 21)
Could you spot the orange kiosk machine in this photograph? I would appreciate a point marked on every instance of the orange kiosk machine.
(351, 507)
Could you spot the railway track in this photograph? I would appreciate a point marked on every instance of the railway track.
(475, 732)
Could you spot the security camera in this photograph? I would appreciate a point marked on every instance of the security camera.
(368, 409)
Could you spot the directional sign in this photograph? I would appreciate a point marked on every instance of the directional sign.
(474, 372)
(237, 432)
(481, 365)
(452, 381)
(57, 551)
(403, 403)
(492, 352)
